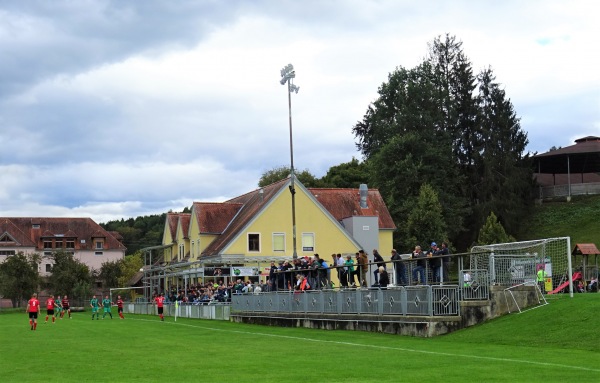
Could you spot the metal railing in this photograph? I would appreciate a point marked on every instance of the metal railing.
(217, 311)
(410, 300)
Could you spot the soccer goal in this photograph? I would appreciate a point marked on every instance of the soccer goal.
(518, 263)
(133, 293)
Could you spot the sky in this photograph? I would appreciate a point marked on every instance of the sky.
(119, 109)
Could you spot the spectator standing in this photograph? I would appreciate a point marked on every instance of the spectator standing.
(399, 268)
(342, 275)
(378, 259)
(384, 278)
(435, 263)
(363, 262)
(349, 264)
(541, 278)
(445, 261)
(419, 269)
(273, 276)
(33, 308)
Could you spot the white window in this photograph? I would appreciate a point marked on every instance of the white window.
(99, 245)
(278, 242)
(308, 241)
(253, 242)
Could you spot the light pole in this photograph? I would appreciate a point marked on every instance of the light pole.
(287, 74)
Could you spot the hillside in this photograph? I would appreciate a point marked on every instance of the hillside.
(578, 219)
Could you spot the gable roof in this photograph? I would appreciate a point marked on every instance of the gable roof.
(23, 230)
(337, 203)
(171, 225)
(585, 249)
(250, 204)
(345, 203)
(213, 217)
(184, 221)
(9, 228)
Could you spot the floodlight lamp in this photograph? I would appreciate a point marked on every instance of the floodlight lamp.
(294, 88)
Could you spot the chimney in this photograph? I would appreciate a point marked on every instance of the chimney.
(363, 190)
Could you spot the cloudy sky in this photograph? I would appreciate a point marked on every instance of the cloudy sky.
(116, 109)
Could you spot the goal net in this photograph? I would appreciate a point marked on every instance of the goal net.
(518, 263)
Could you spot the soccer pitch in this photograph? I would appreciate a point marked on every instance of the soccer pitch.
(143, 349)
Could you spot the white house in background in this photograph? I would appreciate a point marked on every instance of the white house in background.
(85, 239)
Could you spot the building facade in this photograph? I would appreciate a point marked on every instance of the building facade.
(85, 239)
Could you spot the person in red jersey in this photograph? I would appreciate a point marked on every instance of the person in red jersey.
(50, 308)
(65, 307)
(33, 308)
(120, 307)
(159, 301)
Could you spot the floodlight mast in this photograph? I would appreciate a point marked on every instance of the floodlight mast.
(287, 74)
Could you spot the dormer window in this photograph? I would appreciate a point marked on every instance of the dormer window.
(99, 245)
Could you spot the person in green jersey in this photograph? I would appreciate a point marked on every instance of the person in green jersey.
(94, 304)
(58, 305)
(106, 303)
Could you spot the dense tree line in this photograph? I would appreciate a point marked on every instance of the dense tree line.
(139, 232)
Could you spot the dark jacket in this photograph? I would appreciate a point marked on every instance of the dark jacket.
(384, 279)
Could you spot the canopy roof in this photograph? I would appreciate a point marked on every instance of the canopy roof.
(585, 249)
(583, 157)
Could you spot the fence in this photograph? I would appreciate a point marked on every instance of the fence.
(413, 300)
(563, 190)
(218, 311)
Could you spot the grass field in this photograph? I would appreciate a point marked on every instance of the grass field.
(554, 343)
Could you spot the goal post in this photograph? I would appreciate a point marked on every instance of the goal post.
(518, 262)
(131, 291)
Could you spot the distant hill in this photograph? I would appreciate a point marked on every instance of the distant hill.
(578, 219)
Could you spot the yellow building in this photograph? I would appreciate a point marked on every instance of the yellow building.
(254, 229)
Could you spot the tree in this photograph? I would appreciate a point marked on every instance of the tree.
(19, 277)
(129, 266)
(69, 275)
(492, 232)
(439, 124)
(505, 174)
(110, 273)
(405, 146)
(346, 175)
(425, 222)
(282, 172)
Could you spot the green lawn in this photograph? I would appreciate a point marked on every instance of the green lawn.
(554, 343)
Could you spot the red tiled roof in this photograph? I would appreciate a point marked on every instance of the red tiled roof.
(184, 220)
(345, 203)
(16, 232)
(172, 220)
(21, 228)
(585, 249)
(250, 204)
(213, 217)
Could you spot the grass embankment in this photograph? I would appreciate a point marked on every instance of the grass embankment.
(578, 219)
